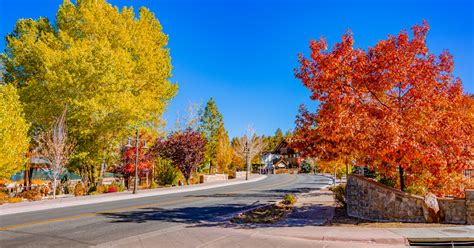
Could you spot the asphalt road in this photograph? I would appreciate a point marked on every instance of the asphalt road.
(89, 225)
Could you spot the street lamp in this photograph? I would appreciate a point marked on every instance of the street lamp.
(129, 145)
(246, 151)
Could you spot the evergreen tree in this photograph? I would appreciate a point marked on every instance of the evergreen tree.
(210, 120)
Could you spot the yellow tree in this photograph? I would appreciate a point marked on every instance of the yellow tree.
(13, 132)
(110, 68)
(224, 151)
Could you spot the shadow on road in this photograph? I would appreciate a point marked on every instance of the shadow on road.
(185, 215)
(213, 215)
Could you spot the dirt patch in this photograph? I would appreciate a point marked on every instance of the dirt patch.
(342, 220)
(263, 215)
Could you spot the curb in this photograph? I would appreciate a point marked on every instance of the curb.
(45, 205)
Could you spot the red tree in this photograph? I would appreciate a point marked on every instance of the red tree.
(127, 167)
(185, 149)
(394, 106)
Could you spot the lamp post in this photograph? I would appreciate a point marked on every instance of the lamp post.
(247, 150)
(129, 145)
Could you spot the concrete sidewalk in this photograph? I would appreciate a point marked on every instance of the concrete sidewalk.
(313, 208)
(447, 235)
(309, 236)
(23, 207)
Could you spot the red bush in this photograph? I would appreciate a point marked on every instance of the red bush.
(112, 189)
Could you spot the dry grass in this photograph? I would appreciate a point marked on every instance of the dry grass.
(342, 220)
(263, 215)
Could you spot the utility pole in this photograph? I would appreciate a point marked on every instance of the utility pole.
(246, 150)
(129, 145)
(135, 186)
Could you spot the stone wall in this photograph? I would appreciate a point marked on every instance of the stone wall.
(368, 199)
(454, 210)
(470, 207)
(213, 178)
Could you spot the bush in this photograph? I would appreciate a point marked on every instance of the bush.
(112, 189)
(101, 189)
(417, 190)
(31, 195)
(387, 181)
(121, 187)
(167, 172)
(91, 189)
(289, 199)
(3, 197)
(306, 166)
(339, 194)
(14, 200)
(79, 190)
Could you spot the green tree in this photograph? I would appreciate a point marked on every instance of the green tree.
(109, 67)
(272, 141)
(210, 120)
(13, 132)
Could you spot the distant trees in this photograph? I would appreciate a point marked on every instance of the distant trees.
(185, 149)
(394, 107)
(14, 138)
(110, 67)
(249, 146)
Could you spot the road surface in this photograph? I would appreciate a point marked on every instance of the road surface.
(89, 225)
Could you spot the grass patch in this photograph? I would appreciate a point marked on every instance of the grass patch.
(289, 199)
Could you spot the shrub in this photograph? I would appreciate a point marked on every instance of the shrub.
(112, 189)
(306, 166)
(166, 171)
(14, 200)
(79, 190)
(289, 199)
(101, 189)
(3, 197)
(121, 187)
(339, 194)
(387, 181)
(91, 189)
(31, 195)
(417, 190)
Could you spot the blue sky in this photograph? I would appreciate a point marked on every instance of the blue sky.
(243, 53)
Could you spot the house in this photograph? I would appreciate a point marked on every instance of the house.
(281, 157)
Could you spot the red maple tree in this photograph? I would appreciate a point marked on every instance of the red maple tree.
(394, 106)
(127, 167)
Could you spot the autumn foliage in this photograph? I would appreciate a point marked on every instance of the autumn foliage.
(185, 149)
(127, 168)
(394, 107)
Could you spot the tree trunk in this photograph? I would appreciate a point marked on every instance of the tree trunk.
(210, 166)
(347, 169)
(25, 178)
(55, 181)
(402, 178)
(187, 181)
